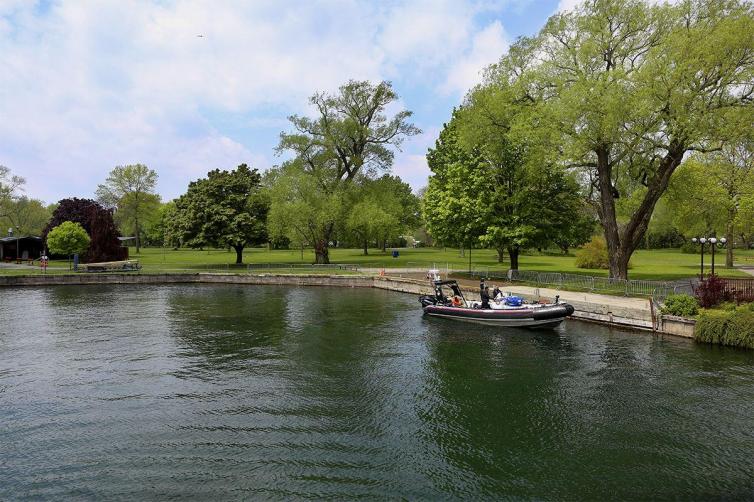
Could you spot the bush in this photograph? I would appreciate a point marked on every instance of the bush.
(726, 327)
(711, 292)
(593, 254)
(680, 305)
(740, 329)
(711, 326)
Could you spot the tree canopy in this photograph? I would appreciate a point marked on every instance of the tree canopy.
(350, 135)
(131, 191)
(227, 208)
(68, 238)
(622, 90)
(98, 224)
(493, 194)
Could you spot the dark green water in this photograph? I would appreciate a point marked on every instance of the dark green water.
(232, 392)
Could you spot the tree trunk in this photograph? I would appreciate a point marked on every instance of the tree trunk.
(500, 255)
(384, 245)
(729, 238)
(366, 247)
(321, 252)
(622, 243)
(239, 254)
(136, 225)
(513, 252)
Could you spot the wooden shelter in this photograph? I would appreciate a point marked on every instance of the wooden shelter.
(21, 248)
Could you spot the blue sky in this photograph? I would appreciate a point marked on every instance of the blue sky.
(85, 88)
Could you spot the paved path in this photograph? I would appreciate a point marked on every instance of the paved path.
(14, 266)
(747, 268)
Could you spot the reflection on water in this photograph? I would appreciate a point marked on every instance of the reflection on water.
(205, 392)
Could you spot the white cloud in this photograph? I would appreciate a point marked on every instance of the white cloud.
(487, 47)
(85, 88)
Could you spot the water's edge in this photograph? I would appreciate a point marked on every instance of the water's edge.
(611, 314)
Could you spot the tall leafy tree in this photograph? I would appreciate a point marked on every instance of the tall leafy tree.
(451, 205)
(303, 210)
(351, 134)
(623, 90)
(384, 208)
(227, 208)
(491, 193)
(26, 216)
(131, 190)
(714, 194)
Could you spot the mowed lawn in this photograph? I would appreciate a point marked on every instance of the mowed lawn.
(647, 264)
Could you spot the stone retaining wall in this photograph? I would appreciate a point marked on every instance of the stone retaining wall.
(615, 315)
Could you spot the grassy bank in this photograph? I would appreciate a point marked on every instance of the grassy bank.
(647, 264)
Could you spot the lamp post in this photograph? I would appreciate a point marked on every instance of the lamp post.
(10, 234)
(702, 241)
(713, 243)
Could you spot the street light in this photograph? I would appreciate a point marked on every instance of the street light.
(713, 242)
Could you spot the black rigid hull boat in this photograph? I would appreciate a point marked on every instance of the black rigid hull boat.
(499, 310)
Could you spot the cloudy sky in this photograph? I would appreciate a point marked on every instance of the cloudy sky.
(87, 85)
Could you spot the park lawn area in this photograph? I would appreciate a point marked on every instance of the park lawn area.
(665, 264)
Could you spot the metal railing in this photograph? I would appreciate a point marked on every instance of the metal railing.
(625, 287)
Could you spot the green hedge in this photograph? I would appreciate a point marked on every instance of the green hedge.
(680, 305)
(726, 327)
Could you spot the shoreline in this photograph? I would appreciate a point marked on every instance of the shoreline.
(604, 309)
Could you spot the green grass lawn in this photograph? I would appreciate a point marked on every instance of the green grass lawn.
(647, 264)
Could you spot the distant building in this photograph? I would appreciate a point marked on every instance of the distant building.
(29, 247)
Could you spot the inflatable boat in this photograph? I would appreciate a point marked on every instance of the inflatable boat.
(498, 309)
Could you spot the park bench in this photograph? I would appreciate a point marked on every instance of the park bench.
(110, 266)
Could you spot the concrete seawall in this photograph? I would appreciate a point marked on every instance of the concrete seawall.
(615, 311)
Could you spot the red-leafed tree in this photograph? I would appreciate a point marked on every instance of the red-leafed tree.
(98, 223)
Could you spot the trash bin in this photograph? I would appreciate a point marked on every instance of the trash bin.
(395, 253)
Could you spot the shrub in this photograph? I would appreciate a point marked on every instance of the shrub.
(711, 326)
(726, 327)
(680, 305)
(593, 254)
(711, 292)
(740, 329)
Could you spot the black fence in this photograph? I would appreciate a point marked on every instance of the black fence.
(741, 290)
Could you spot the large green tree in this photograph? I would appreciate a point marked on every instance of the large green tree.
(714, 195)
(493, 194)
(383, 209)
(451, 205)
(624, 89)
(227, 208)
(131, 191)
(26, 216)
(350, 135)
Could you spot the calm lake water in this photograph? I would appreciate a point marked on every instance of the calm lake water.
(244, 392)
